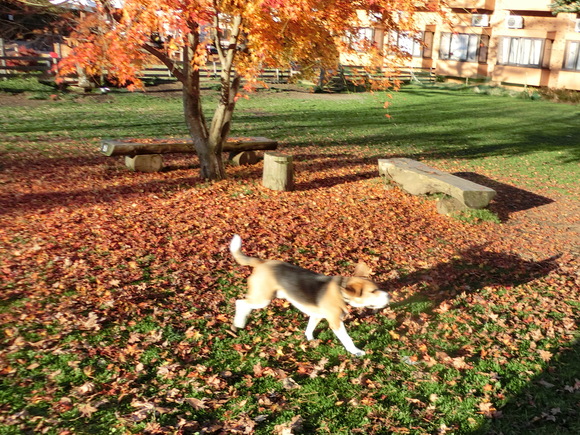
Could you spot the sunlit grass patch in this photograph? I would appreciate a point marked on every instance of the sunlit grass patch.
(118, 289)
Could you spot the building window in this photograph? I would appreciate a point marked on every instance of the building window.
(418, 44)
(463, 47)
(521, 51)
(572, 59)
(408, 44)
(361, 39)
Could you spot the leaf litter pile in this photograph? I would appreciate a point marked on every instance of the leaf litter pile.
(118, 292)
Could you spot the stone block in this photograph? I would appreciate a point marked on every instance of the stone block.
(417, 178)
(244, 158)
(449, 205)
(144, 162)
(278, 171)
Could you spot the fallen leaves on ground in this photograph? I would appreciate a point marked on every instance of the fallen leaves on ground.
(120, 285)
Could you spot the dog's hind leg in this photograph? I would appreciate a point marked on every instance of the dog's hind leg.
(312, 322)
(259, 296)
(243, 310)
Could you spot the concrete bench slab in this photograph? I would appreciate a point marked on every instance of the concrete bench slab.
(418, 178)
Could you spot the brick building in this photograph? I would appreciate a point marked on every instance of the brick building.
(517, 42)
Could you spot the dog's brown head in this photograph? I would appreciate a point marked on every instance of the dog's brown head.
(359, 291)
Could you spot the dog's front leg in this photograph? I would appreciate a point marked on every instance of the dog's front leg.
(312, 322)
(346, 341)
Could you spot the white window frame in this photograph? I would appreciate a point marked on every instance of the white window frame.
(463, 47)
(521, 51)
(572, 56)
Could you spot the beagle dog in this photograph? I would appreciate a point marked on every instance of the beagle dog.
(318, 296)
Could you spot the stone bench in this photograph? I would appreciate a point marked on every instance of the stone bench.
(417, 178)
(144, 155)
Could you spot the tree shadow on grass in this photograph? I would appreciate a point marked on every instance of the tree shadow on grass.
(334, 181)
(91, 192)
(473, 269)
(509, 199)
(314, 163)
(549, 404)
(458, 128)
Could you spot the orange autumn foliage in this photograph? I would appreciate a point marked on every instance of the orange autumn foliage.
(246, 36)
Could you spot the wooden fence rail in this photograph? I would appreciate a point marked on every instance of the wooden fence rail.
(212, 71)
(15, 64)
(346, 77)
(10, 65)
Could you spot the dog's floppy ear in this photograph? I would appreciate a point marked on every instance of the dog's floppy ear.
(362, 270)
(354, 288)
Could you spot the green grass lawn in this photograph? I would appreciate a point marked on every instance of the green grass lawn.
(117, 290)
(459, 127)
(477, 131)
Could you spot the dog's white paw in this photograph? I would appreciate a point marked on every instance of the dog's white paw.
(358, 352)
(239, 325)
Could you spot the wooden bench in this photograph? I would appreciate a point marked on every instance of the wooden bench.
(144, 155)
(417, 178)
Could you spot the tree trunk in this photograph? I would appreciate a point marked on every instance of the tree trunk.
(211, 162)
(208, 151)
(209, 142)
(222, 118)
(207, 148)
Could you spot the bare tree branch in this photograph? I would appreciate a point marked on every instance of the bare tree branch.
(169, 63)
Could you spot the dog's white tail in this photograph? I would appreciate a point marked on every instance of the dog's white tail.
(239, 256)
